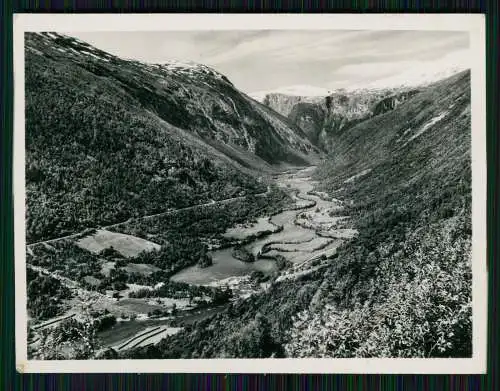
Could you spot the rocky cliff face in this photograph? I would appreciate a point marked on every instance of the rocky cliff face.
(322, 117)
(283, 103)
(392, 101)
(310, 117)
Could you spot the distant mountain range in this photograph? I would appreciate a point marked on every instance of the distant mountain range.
(321, 118)
(417, 76)
(296, 90)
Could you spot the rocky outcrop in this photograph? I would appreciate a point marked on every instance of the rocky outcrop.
(392, 101)
(321, 118)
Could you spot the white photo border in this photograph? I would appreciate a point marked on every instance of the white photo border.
(67, 23)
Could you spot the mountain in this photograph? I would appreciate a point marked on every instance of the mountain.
(402, 287)
(295, 90)
(435, 118)
(108, 139)
(321, 117)
(306, 106)
(408, 175)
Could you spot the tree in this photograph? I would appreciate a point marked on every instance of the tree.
(254, 341)
(45, 295)
(205, 260)
(220, 296)
(328, 102)
(70, 340)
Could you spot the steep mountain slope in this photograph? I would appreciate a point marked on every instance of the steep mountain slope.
(108, 139)
(321, 117)
(402, 288)
(428, 121)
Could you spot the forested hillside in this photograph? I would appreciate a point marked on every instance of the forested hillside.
(402, 287)
(109, 139)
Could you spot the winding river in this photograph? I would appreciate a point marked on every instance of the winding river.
(312, 228)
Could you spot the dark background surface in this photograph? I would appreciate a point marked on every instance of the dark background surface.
(11, 380)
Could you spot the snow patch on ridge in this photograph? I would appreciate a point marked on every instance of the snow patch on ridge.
(191, 68)
(358, 175)
(426, 126)
(93, 55)
(429, 124)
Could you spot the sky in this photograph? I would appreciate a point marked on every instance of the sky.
(267, 60)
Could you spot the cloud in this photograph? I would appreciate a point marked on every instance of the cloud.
(377, 75)
(268, 59)
(372, 69)
(459, 59)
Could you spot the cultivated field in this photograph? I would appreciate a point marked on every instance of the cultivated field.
(309, 246)
(147, 337)
(127, 245)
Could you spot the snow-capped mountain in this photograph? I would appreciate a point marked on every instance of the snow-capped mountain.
(409, 75)
(321, 112)
(190, 96)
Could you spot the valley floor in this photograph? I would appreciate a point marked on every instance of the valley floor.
(279, 247)
(302, 235)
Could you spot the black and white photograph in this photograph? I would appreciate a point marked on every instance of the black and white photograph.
(262, 192)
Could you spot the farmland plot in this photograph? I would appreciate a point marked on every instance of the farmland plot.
(127, 245)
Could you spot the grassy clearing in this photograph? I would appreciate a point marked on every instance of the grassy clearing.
(296, 257)
(290, 234)
(127, 245)
(106, 267)
(138, 306)
(301, 254)
(321, 218)
(124, 331)
(141, 268)
(155, 337)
